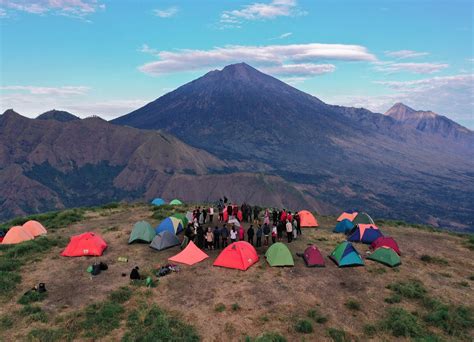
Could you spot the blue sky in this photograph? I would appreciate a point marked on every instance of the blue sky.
(98, 57)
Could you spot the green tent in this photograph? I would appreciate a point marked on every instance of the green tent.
(176, 202)
(346, 255)
(363, 218)
(182, 218)
(279, 255)
(386, 256)
(142, 232)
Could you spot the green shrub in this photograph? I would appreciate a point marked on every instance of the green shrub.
(304, 326)
(453, 320)
(434, 260)
(47, 335)
(395, 298)
(219, 307)
(270, 337)
(338, 335)
(121, 295)
(152, 324)
(411, 289)
(6, 322)
(112, 205)
(471, 277)
(353, 305)
(101, 318)
(401, 323)
(32, 297)
(470, 242)
(235, 307)
(34, 313)
(316, 316)
(370, 330)
(8, 282)
(463, 283)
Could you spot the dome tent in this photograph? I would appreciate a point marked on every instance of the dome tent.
(158, 201)
(347, 215)
(278, 254)
(34, 228)
(386, 242)
(239, 255)
(386, 256)
(307, 219)
(345, 255)
(16, 234)
(313, 257)
(190, 255)
(363, 218)
(171, 224)
(86, 244)
(164, 240)
(176, 202)
(344, 226)
(365, 233)
(142, 232)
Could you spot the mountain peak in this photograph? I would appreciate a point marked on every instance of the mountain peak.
(58, 115)
(399, 110)
(11, 114)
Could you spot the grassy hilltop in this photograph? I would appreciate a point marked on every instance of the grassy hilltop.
(427, 298)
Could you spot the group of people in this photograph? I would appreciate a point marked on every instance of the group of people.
(272, 224)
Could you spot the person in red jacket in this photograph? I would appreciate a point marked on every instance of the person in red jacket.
(241, 234)
(283, 216)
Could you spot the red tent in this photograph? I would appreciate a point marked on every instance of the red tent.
(313, 257)
(386, 242)
(190, 255)
(87, 244)
(239, 255)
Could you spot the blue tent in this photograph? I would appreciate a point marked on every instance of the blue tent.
(158, 201)
(170, 224)
(365, 234)
(345, 226)
(345, 255)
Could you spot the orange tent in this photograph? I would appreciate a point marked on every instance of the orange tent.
(349, 216)
(239, 255)
(307, 219)
(34, 228)
(87, 244)
(15, 235)
(190, 255)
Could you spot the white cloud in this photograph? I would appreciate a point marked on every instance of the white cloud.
(260, 11)
(416, 68)
(401, 54)
(74, 8)
(65, 90)
(146, 49)
(260, 56)
(303, 69)
(282, 36)
(452, 96)
(166, 13)
(3, 13)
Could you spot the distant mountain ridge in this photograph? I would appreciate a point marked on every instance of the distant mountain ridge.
(341, 156)
(428, 121)
(49, 164)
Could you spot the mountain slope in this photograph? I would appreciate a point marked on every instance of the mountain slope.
(342, 156)
(58, 115)
(47, 164)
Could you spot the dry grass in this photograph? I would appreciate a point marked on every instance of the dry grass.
(262, 299)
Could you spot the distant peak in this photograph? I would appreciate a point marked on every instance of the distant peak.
(58, 115)
(10, 113)
(401, 107)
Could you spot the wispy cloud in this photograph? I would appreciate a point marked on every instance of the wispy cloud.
(73, 8)
(293, 58)
(260, 11)
(402, 54)
(3, 13)
(416, 68)
(452, 96)
(35, 90)
(166, 13)
(282, 36)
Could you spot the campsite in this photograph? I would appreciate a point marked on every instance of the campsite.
(209, 303)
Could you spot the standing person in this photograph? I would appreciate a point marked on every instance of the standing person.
(209, 239)
(217, 234)
(201, 216)
(229, 212)
(233, 234)
(235, 210)
(289, 231)
(295, 232)
(211, 214)
(255, 214)
(274, 232)
(241, 234)
(283, 216)
(280, 228)
(266, 232)
(266, 219)
(221, 213)
(224, 235)
(200, 237)
(298, 223)
(204, 215)
(189, 232)
(197, 213)
(250, 234)
(259, 235)
(275, 215)
(289, 216)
